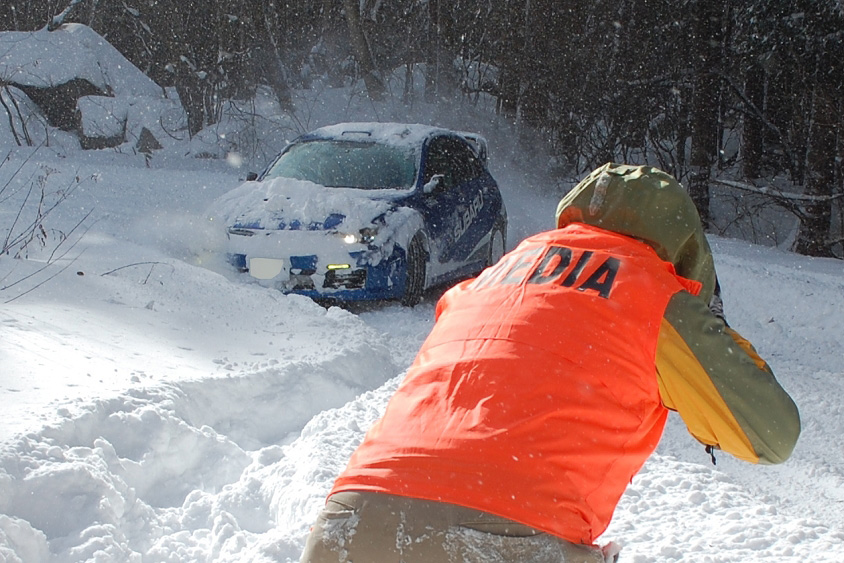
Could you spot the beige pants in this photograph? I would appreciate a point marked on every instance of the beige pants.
(357, 527)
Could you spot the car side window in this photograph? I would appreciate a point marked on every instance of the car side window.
(452, 159)
(436, 161)
(464, 161)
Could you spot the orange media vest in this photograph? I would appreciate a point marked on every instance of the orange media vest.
(535, 397)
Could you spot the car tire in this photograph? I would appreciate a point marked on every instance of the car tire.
(496, 246)
(414, 283)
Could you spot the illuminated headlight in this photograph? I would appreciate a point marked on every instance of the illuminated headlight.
(365, 236)
(368, 235)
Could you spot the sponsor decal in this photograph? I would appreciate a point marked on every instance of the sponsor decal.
(462, 221)
(582, 270)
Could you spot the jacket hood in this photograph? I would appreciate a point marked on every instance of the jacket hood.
(647, 204)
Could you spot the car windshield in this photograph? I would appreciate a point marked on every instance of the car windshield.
(348, 164)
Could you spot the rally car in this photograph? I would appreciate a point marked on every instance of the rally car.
(368, 211)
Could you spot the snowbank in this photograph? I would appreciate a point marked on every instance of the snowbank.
(73, 51)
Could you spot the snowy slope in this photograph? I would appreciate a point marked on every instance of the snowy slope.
(156, 410)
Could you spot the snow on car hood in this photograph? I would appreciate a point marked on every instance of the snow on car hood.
(286, 203)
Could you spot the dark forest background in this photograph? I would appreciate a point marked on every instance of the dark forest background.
(738, 95)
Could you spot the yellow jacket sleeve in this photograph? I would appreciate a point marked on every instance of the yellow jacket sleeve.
(726, 394)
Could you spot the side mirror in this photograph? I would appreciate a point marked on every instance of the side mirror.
(434, 183)
(251, 176)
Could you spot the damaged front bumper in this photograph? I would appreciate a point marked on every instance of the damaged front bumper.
(318, 265)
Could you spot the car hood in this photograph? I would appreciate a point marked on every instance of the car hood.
(285, 203)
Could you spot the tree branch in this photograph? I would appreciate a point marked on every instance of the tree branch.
(777, 194)
(58, 20)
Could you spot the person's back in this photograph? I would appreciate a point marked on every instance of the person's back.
(545, 385)
(534, 396)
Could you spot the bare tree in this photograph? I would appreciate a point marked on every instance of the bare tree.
(374, 84)
(265, 50)
(753, 138)
(707, 24)
(813, 234)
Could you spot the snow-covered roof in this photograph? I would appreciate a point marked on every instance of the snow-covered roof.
(402, 134)
(395, 134)
(74, 51)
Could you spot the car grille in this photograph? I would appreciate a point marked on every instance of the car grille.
(350, 279)
(302, 271)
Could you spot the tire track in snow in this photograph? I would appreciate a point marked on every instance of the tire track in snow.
(125, 476)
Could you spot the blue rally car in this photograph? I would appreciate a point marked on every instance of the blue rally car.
(368, 211)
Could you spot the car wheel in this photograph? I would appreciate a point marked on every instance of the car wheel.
(414, 283)
(496, 246)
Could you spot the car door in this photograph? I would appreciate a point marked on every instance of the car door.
(479, 204)
(457, 218)
(442, 206)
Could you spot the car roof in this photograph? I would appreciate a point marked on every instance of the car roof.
(394, 134)
(397, 134)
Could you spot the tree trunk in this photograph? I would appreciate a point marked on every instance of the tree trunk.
(533, 98)
(752, 142)
(820, 178)
(191, 96)
(508, 93)
(432, 52)
(707, 28)
(267, 56)
(441, 80)
(511, 73)
(781, 103)
(374, 85)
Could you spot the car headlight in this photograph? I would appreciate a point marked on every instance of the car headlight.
(368, 234)
(364, 236)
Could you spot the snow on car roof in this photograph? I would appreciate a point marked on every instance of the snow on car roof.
(397, 134)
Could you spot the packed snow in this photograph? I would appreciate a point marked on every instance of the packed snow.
(156, 407)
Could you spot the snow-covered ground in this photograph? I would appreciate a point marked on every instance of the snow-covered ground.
(155, 409)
